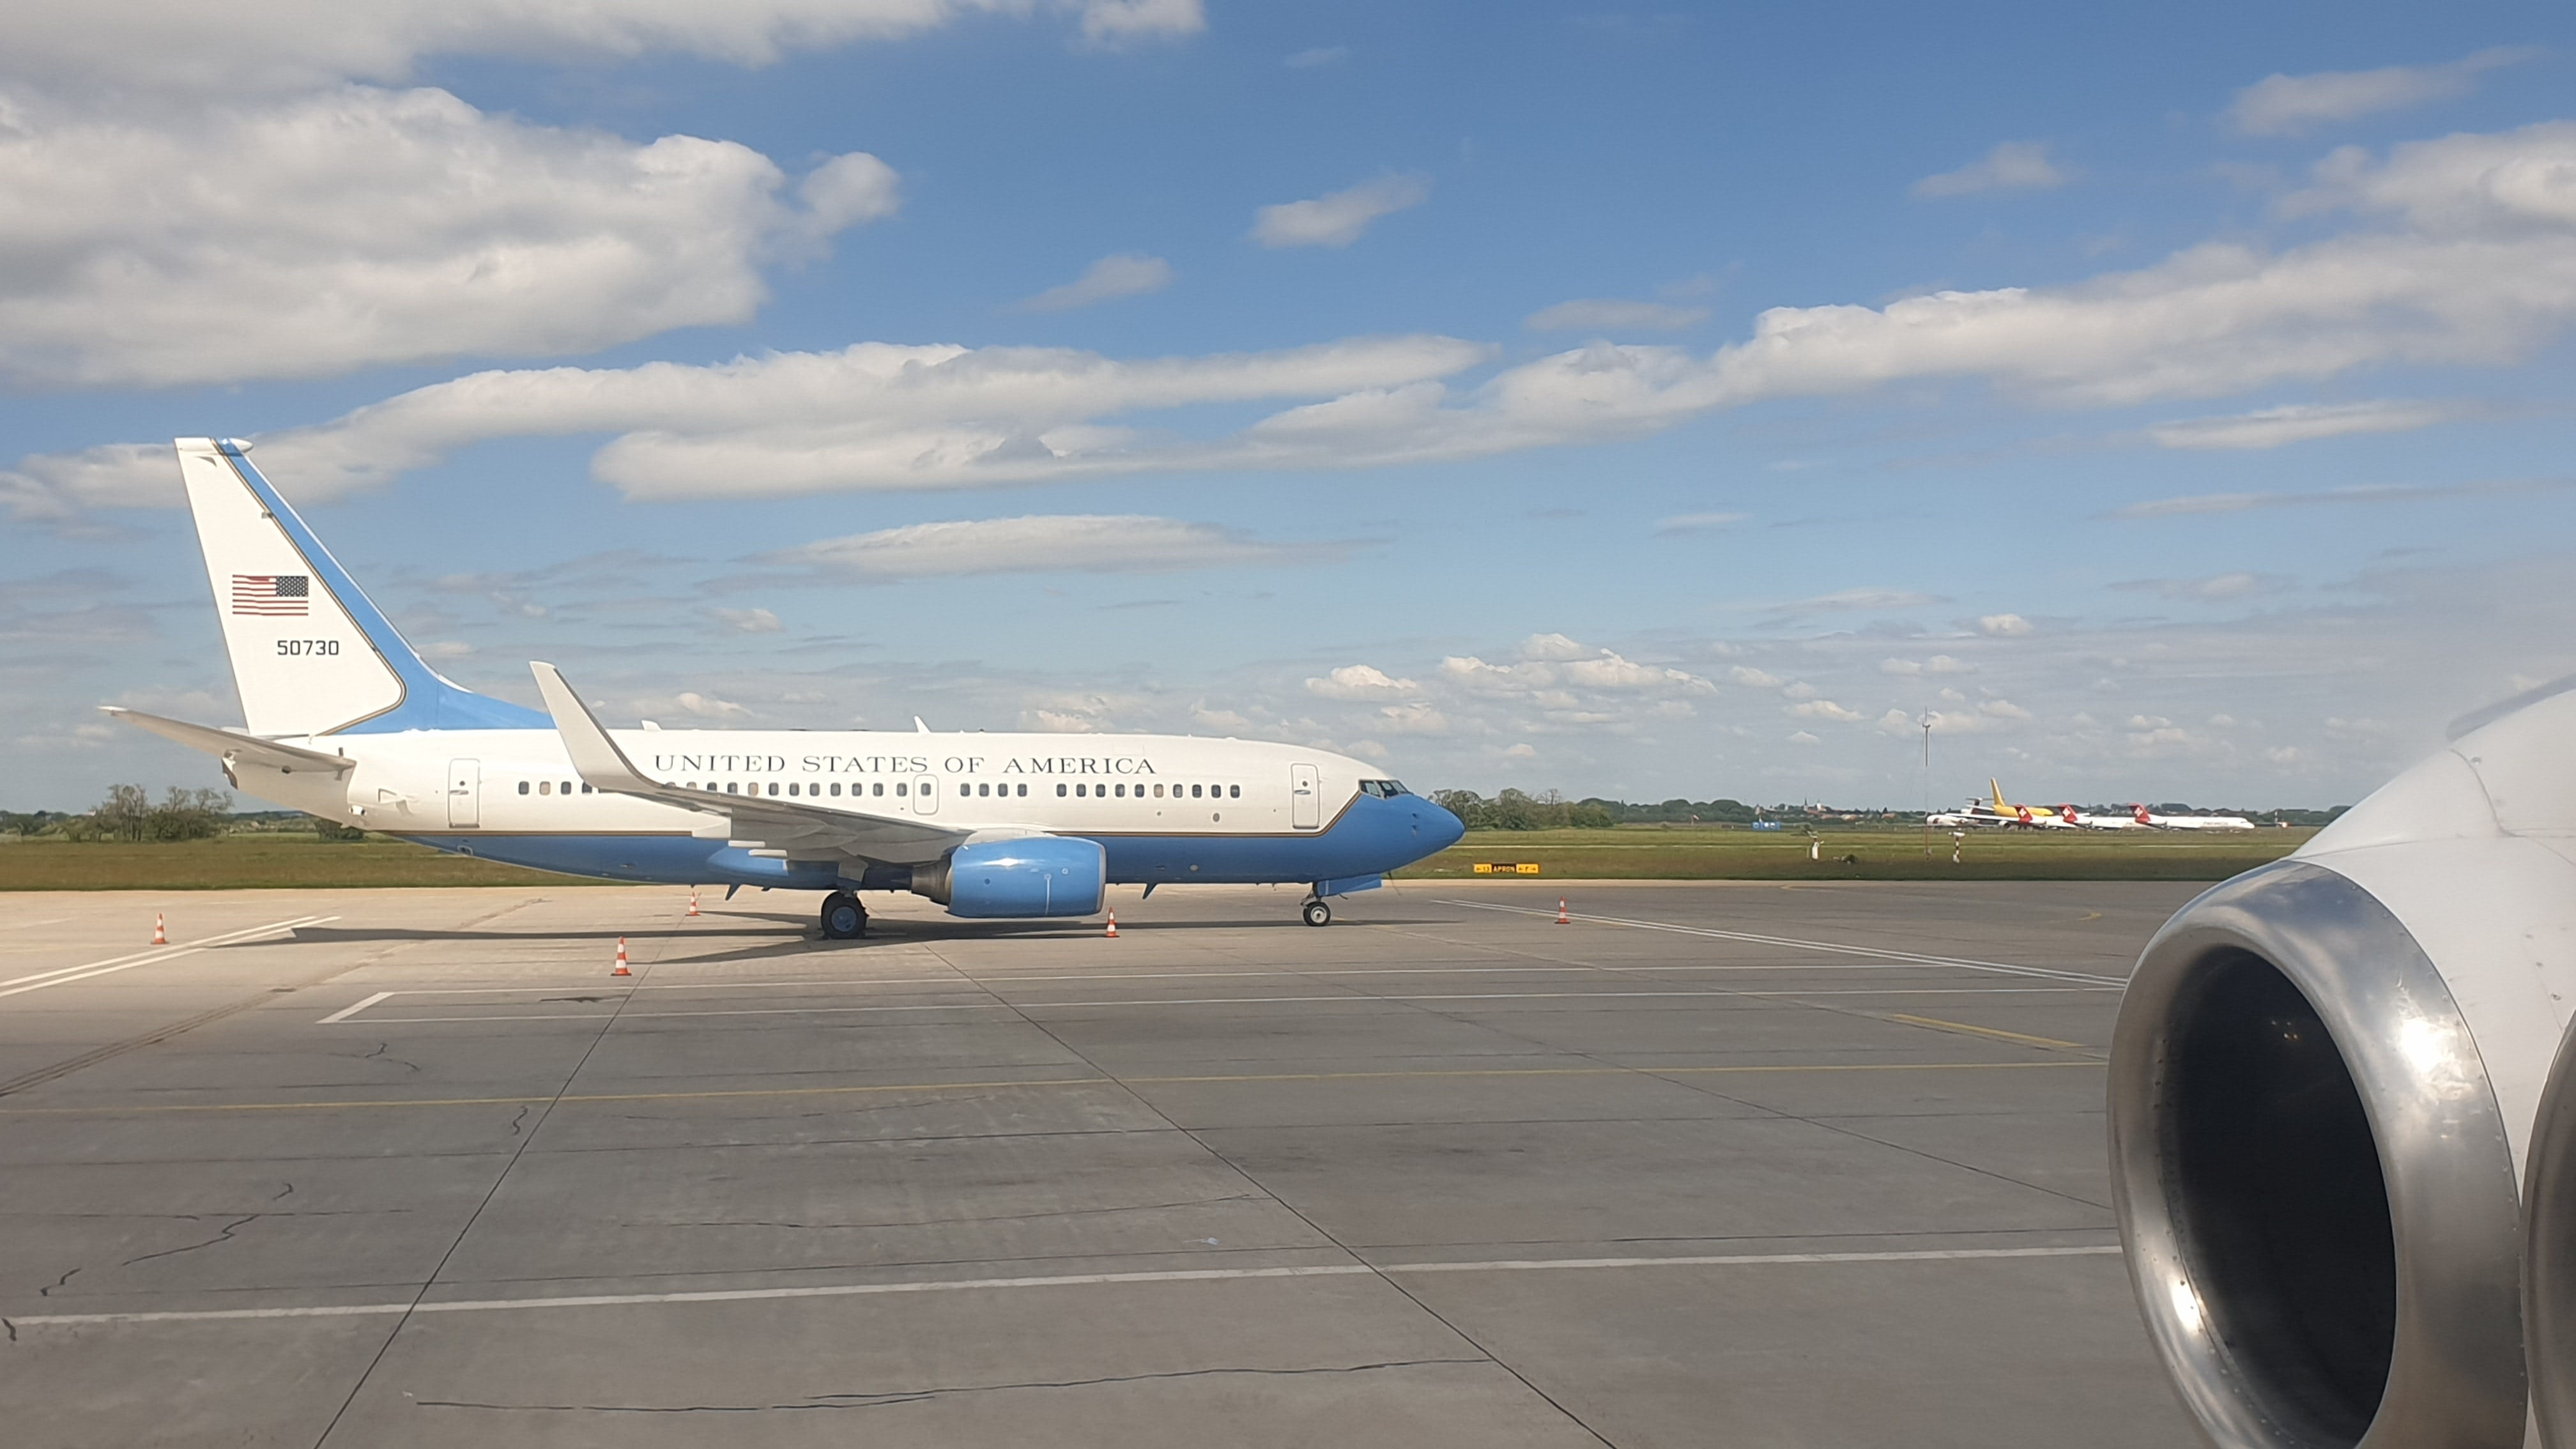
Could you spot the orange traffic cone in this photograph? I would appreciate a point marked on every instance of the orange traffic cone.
(160, 936)
(1562, 918)
(693, 903)
(1113, 923)
(621, 959)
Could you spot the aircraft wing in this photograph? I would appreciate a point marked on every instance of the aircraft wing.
(794, 829)
(234, 745)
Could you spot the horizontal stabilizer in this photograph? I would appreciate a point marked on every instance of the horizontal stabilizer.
(232, 745)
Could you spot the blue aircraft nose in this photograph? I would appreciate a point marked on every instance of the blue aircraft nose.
(1440, 829)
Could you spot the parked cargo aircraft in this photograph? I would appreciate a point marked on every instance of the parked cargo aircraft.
(2000, 812)
(344, 720)
(2145, 816)
(2073, 816)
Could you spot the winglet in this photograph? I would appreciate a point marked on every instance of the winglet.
(595, 757)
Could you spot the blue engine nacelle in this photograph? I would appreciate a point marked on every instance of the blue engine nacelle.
(1040, 875)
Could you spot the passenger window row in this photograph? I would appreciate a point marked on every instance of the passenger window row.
(816, 790)
(877, 789)
(1120, 792)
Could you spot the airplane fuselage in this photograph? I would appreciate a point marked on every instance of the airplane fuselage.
(1167, 809)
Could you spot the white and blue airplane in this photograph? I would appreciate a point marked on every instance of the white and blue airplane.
(344, 720)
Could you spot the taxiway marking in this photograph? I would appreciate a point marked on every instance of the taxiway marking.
(1996, 1032)
(1834, 947)
(65, 975)
(346, 1015)
(721, 1094)
(1067, 1280)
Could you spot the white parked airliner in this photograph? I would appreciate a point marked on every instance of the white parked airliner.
(344, 720)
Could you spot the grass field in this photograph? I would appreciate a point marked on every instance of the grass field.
(1683, 853)
(293, 859)
(236, 862)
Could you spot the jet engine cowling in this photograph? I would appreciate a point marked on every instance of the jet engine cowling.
(1032, 876)
(2325, 1082)
(2549, 1255)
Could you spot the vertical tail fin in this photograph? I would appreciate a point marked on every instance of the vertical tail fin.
(1997, 787)
(311, 653)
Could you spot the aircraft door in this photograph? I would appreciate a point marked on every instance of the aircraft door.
(925, 794)
(1305, 798)
(465, 793)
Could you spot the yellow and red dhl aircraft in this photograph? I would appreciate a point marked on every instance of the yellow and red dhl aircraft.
(1999, 811)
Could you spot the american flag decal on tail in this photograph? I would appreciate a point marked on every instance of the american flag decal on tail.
(273, 595)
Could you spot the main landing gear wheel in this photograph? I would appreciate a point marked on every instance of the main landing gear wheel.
(1317, 913)
(844, 919)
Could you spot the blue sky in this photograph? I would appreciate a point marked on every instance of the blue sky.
(1643, 403)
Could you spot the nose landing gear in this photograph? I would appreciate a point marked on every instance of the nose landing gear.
(844, 919)
(1317, 913)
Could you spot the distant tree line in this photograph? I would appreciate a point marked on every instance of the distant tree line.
(128, 813)
(1519, 810)
(1550, 810)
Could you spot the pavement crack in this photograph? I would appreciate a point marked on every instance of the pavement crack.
(518, 1121)
(223, 1235)
(896, 1397)
(59, 1282)
(378, 1055)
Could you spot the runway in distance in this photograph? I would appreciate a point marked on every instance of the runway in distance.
(343, 719)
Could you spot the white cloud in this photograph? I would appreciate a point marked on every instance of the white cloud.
(1415, 717)
(1752, 678)
(1218, 719)
(1115, 21)
(2328, 497)
(1937, 664)
(446, 649)
(1359, 681)
(1552, 646)
(1804, 738)
(161, 45)
(1545, 668)
(1824, 709)
(358, 227)
(747, 621)
(2003, 625)
(2298, 423)
(1128, 274)
(2011, 166)
(709, 707)
(1521, 751)
(1609, 314)
(2280, 105)
(1318, 55)
(2002, 709)
(1338, 219)
(1681, 523)
(1044, 543)
(2467, 256)
(2214, 588)
(871, 416)
(1847, 601)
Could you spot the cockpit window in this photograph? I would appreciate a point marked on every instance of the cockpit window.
(1383, 789)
